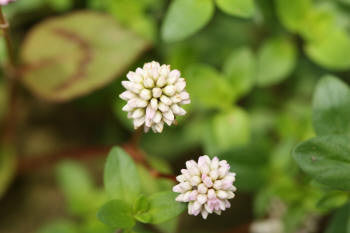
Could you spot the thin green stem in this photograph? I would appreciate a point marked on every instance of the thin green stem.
(11, 73)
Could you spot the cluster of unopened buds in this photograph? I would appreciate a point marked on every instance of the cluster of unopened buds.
(206, 186)
(5, 2)
(154, 96)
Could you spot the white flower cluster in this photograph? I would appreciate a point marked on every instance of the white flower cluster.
(154, 95)
(206, 185)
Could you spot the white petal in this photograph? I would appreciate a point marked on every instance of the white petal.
(204, 214)
(157, 117)
(168, 115)
(161, 81)
(169, 90)
(146, 94)
(138, 122)
(180, 86)
(178, 110)
(173, 76)
(148, 82)
(156, 92)
(163, 107)
(138, 113)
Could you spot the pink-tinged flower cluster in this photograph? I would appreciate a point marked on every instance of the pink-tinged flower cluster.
(206, 186)
(154, 96)
(5, 2)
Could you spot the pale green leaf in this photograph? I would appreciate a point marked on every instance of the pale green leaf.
(293, 14)
(121, 178)
(239, 69)
(331, 51)
(231, 128)
(116, 214)
(208, 88)
(331, 107)
(185, 17)
(276, 60)
(240, 8)
(75, 54)
(163, 207)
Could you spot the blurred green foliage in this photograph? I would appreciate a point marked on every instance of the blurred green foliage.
(252, 68)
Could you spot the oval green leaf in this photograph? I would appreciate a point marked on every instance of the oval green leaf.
(73, 55)
(208, 88)
(163, 207)
(116, 214)
(231, 129)
(240, 8)
(276, 60)
(239, 69)
(326, 159)
(121, 178)
(186, 17)
(293, 14)
(331, 107)
(331, 51)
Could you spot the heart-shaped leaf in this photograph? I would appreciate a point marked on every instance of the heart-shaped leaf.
(73, 55)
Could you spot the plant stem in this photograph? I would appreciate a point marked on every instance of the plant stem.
(12, 85)
(5, 28)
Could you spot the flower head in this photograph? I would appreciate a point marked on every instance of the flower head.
(5, 2)
(206, 185)
(154, 95)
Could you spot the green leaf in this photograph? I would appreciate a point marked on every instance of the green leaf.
(121, 178)
(61, 5)
(73, 55)
(239, 69)
(231, 128)
(326, 159)
(331, 107)
(208, 88)
(7, 167)
(332, 200)
(293, 14)
(116, 214)
(185, 17)
(331, 51)
(141, 205)
(77, 187)
(276, 60)
(59, 227)
(340, 222)
(163, 207)
(240, 8)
